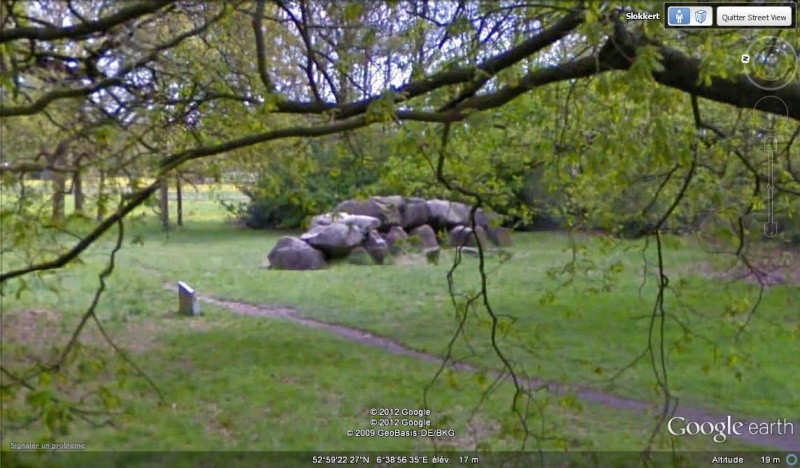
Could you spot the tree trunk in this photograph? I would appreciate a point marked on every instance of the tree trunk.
(59, 192)
(101, 202)
(164, 203)
(179, 200)
(77, 190)
(59, 180)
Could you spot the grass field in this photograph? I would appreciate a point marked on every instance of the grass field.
(235, 382)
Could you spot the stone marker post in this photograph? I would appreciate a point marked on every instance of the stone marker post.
(187, 300)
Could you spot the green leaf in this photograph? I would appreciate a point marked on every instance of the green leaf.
(352, 11)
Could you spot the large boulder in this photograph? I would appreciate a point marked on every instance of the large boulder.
(424, 237)
(359, 207)
(391, 206)
(336, 240)
(291, 253)
(442, 214)
(482, 219)
(447, 215)
(396, 239)
(377, 248)
(396, 235)
(414, 212)
(500, 236)
(364, 223)
(462, 236)
(385, 209)
(325, 219)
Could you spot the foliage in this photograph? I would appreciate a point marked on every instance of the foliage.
(548, 112)
(304, 179)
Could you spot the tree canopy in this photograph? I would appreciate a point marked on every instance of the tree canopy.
(157, 85)
(510, 104)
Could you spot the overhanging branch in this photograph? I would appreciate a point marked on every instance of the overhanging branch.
(55, 95)
(82, 30)
(171, 163)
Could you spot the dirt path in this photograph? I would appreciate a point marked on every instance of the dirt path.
(788, 442)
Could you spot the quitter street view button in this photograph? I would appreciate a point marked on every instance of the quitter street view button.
(764, 16)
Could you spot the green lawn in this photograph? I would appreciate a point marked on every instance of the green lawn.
(580, 338)
(247, 383)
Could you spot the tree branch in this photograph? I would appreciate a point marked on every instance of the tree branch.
(679, 71)
(261, 52)
(44, 101)
(492, 66)
(83, 30)
(682, 72)
(170, 163)
(137, 199)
